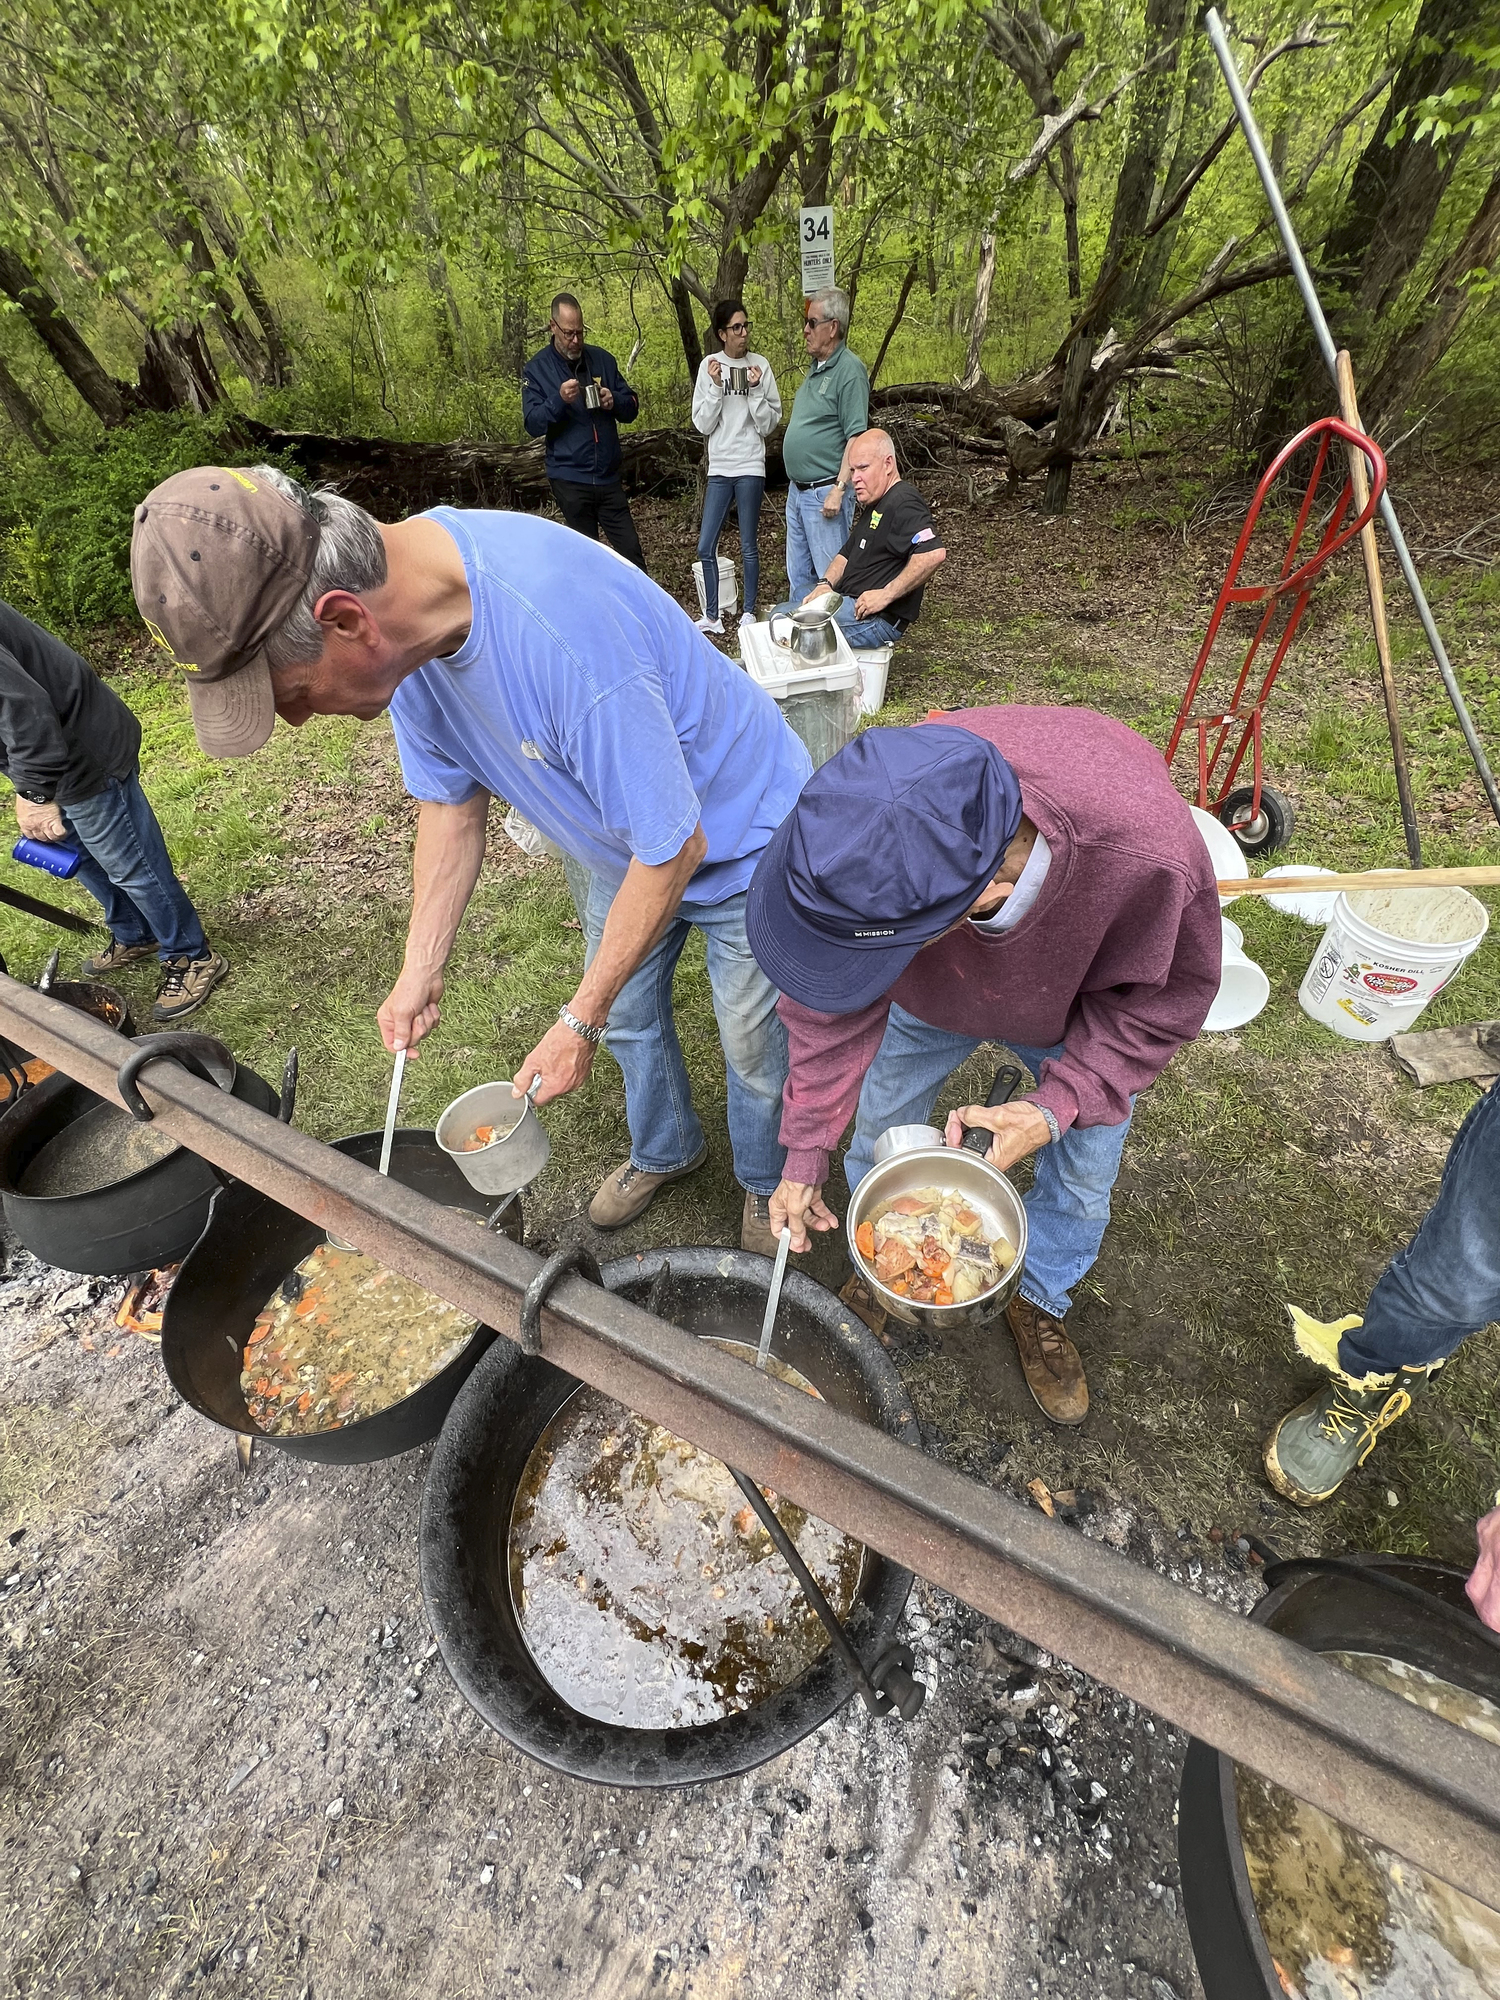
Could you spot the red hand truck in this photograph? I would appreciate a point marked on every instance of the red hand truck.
(1260, 818)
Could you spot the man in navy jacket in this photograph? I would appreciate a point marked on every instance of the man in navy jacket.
(575, 396)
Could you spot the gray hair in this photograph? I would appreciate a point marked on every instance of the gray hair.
(834, 304)
(350, 556)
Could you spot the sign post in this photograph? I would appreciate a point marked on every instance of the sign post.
(815, 236)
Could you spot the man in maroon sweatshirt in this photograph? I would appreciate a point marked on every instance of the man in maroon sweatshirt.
(1022, 875)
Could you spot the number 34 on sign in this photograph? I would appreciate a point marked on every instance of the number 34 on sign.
(815, 237)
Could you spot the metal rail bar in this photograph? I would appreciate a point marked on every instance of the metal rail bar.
(1397, 1774)
(1329, 352)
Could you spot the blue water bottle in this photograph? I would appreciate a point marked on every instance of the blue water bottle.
(53, 855)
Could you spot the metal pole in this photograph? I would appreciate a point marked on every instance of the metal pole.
(1405, 1778)
(1330, 355)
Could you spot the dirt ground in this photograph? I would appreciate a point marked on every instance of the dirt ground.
(228, 1758)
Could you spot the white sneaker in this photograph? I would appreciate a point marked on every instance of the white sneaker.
(711, 625)
(747, 618)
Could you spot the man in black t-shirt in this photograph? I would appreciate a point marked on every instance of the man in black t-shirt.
(892, 549)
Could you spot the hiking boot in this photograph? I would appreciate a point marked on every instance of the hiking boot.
(756, 1233)
(629, 1192)
(1049, 1361)
(186, 984)
(1315, 1447)
(114, 956)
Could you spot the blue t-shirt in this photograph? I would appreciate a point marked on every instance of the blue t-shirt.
(587, 699)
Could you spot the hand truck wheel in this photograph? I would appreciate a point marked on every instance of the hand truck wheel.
(1272, 827)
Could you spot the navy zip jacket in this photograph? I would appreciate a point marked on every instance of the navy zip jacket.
(583, 446)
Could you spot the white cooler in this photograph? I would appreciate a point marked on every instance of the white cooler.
(821, 703)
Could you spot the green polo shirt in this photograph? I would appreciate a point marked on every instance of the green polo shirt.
(832, 405)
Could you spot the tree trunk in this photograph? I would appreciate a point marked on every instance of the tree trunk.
(1419, 348)
(1376, 239)
(24, 413)
(177, 370)
(515, 299)
(896, 317)
(242, 344)
(825, 54)
(109, 400)
(687, 328)
(983, 284)
(278, 358)
(1150, 114)
(1151, 272)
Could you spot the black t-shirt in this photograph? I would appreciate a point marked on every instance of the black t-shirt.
(63, 733)
(883, 540)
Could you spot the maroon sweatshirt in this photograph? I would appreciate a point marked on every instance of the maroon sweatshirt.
(1118, 958)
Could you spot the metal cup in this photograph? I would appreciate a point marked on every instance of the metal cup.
(736, 381)
(509, 1162)
(592, 400)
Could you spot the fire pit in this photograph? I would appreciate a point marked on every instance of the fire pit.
(478, 1489)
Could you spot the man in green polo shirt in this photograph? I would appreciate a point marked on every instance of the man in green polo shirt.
(832, 407)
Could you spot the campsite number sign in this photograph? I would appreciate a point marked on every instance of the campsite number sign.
(815, 236)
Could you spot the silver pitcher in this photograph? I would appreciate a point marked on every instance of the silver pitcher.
(809, 631)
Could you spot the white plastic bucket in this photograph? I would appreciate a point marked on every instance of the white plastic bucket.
(1243, 988)
(1224, 851)
(874, 670)
(729, 589)
(1386, 954)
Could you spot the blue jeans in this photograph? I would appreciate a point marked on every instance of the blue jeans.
(642, 1038)
(866, 631)
(1067, 1206)
(1445, 1284)
(127, 868)
(812, 541)
(746, 494)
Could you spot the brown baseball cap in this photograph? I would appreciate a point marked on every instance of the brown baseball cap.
(218, 560)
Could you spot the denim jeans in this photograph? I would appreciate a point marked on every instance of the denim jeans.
(866, 631)
(1067, 1206)
(812, 540)
(1445, 1284)
(746, 493)
(127, 868)
(642, 1038)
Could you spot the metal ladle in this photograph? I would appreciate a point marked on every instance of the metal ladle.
(337, 1242)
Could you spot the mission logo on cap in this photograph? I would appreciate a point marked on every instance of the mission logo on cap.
(218, 562)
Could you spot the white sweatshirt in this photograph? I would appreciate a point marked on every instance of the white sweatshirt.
(736, 426)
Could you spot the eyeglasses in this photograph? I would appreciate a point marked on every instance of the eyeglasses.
(809, 324)
(568, 332)
(738, 326)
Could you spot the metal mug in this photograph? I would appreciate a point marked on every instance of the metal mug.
(736, 380)
(514, 1159)
(592, 400)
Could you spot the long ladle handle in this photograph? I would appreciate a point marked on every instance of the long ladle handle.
(390, 1111)
(773, 1297)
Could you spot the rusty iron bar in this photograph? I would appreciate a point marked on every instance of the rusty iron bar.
(1397, 1774)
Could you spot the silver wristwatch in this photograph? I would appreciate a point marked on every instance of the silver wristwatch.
(571, 1020)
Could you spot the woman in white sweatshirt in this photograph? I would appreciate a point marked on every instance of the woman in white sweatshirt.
(736, 406)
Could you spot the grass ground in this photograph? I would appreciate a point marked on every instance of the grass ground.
(1277, 1163)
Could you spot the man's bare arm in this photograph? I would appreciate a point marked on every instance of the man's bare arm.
(644, 905)
(918, 569)
(445, 866)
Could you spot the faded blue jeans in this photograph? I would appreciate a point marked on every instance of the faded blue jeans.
(1067, 1205)
(1445, 1284)
(812, 540)
(642, 1038)
(746, 494)
(126, 867)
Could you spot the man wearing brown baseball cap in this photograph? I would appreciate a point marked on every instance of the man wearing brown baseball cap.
(523, 662)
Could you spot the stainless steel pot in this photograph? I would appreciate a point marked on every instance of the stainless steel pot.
(809, 631)
(910, 1163)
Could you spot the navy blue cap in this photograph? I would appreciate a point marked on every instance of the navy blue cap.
(890, 843)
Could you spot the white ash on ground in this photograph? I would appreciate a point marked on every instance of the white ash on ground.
(232, 1763)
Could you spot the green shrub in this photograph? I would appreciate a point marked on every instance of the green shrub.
(65, 519)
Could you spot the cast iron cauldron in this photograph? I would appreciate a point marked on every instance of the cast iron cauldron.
(247, 1248)
(471, 1486)
(1328, 1611)
(150, 1219)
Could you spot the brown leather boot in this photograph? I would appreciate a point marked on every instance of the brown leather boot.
(1050, 1362)
(629, 1192)
(756, 1233)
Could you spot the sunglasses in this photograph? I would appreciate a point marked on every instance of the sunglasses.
(809, 324)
